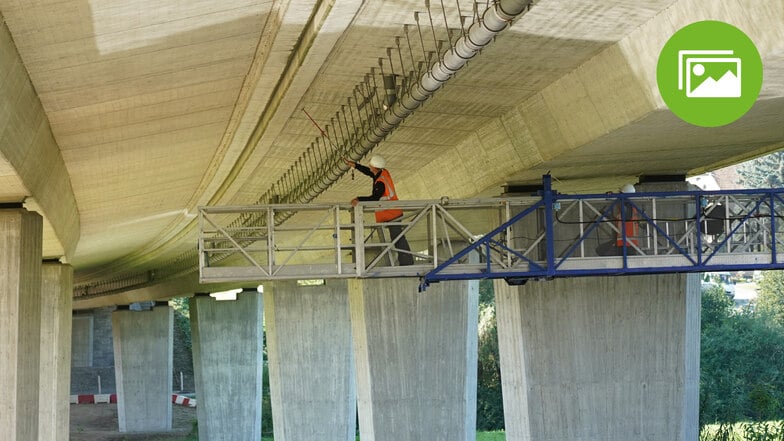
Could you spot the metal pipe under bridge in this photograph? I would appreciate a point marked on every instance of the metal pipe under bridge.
(542, 236)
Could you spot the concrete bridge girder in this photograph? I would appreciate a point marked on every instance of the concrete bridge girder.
(608, 111)
(31, 165)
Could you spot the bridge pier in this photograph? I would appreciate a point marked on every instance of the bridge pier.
(228, 366)
(55, 366)
(20, 328)
(311, 365)
(416, 356)
(143, 368)
(600, 358)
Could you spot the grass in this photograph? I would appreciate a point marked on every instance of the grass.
(491, 436)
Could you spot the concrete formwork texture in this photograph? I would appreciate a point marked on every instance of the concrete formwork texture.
(311, 364)
(228, 365)
(600, 358)
(416, 359)
(55, 378)
(20, 328)
(143, 368)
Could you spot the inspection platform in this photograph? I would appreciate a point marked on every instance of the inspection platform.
(541, 236)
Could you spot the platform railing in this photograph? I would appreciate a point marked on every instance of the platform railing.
(516, 238)
(320, 240)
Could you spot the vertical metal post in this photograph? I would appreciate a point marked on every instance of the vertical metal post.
(624, 238)
(338, 248)
(359, 240)
(434, 230)
(655, 230)
(727, 214)
(270, 239)
(548, 221)
(202, 260)
(667, 231)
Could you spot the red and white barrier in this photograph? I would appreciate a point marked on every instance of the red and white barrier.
(93, 398)
(181, 400)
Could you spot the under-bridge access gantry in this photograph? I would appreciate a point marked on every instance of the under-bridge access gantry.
(541, 236)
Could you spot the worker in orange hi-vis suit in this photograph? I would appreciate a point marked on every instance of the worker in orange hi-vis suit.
(630, 223)
(384, 190)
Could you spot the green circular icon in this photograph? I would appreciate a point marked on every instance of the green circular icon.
(709, 73)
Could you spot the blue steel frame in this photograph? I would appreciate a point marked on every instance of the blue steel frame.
(551, 267)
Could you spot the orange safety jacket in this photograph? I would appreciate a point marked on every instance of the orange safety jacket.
(389, 195)
(630, 225)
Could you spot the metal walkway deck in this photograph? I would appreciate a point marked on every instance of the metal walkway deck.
(516, 238)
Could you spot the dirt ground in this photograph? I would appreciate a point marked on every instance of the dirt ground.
(98, 422)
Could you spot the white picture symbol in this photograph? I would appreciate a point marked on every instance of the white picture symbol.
(709, 74)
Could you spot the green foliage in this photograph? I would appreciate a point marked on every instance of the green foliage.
(716, 307)
(182, 320)
(183, 345)
(266, 402)
(486, 294)
(742, 362)
(489, 402)
(763, 172)
(771, 295)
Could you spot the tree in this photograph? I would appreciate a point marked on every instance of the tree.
(771, 295)
(183, 356)
(763, 172)
(489, 406)
(716, 307)
(741, 361)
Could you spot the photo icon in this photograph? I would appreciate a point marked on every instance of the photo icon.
(709, 74)
(699, 73)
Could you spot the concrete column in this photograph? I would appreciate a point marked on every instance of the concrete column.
(227, 360)
(143, 368)
(600, 358)
(416, 359)
(20, 322)
(55, 387)
(311, 365)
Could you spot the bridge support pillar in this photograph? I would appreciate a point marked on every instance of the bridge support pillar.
(55, 387)
(416, 358)
(600, 358)
(311, 366)
(20, 328)
(143, 360)
(227, 360)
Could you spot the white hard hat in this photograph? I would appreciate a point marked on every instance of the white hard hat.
(628, 188)
(378, 161)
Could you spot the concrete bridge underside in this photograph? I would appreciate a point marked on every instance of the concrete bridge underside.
(118, 119)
